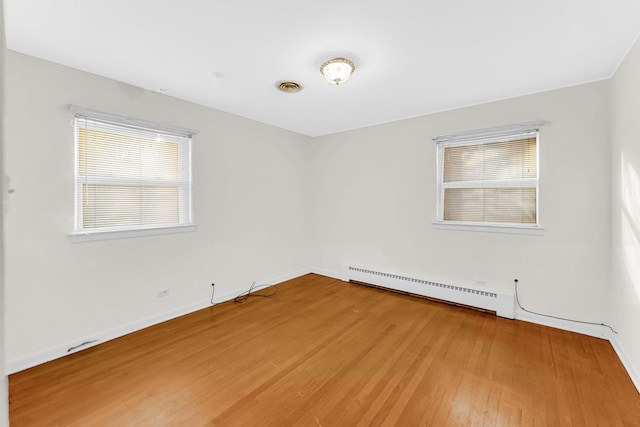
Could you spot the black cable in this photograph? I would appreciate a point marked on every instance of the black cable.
(213, 291)
(556, 317)
(80, 345)
(245, 295)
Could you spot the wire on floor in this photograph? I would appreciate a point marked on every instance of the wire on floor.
(556, 317)
(245, 295)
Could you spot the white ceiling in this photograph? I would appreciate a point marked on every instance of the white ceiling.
(412, 57)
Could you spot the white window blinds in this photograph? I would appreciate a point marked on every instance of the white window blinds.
(491, 180)
(130, 177)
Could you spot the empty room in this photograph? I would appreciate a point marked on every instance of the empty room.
(285, 213)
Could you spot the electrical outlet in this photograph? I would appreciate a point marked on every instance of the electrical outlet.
(163, 293)
(481, 282)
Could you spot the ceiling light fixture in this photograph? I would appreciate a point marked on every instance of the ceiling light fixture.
(337, 70)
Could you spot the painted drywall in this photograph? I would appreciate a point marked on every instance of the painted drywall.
(250, 206)
(375, 201)
(4, 385)
(625, 205)
(270, 203)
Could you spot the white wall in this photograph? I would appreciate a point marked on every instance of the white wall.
(375, 201)
(250, 204)
(4, 399)
(625, 195)
(270, 203)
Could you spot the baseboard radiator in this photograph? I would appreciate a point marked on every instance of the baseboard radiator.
(502, 304)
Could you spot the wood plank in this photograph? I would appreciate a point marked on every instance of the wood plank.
(325, 352)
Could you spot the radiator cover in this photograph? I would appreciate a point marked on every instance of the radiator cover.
(502, 304)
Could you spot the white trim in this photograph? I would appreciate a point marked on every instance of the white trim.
(477, 137)
(130, 121)
(281, 278)
(56, 352)
(491, 133)
(490, 228)
(90, 120)
(110, 180)
(89, 236)
(627, 362)
(328, 273)
(498, 183)
(597, 331)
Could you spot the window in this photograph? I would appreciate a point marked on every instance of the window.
(488, 180)
(131, 178)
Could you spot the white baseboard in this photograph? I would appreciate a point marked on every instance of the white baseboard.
(627, 362)
(597, 331)
(328, 273)
(284, 277)
(56, 352)
(62, 350)
(66, 349)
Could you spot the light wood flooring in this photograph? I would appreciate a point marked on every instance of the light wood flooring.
(326, 353)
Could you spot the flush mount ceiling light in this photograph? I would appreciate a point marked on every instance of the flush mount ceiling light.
(337, 70)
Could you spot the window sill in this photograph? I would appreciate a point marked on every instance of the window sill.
(89, 236)
(490, 228)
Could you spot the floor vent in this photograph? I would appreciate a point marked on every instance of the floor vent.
(502, 304)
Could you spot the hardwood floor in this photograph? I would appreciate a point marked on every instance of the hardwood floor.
(323, 352)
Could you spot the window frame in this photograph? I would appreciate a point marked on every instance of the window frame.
(487, 136)
(185, 212)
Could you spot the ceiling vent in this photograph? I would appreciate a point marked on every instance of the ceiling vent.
(289, 86)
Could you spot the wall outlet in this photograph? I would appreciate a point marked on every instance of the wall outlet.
(481, 282)
(163, 293)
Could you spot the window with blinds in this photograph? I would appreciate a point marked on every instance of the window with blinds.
(130, 177)
(489, 180)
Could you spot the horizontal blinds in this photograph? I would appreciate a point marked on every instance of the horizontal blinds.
(492, 161)
(491, 182)
(508, 205)
(129, 205)
(130, 177)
